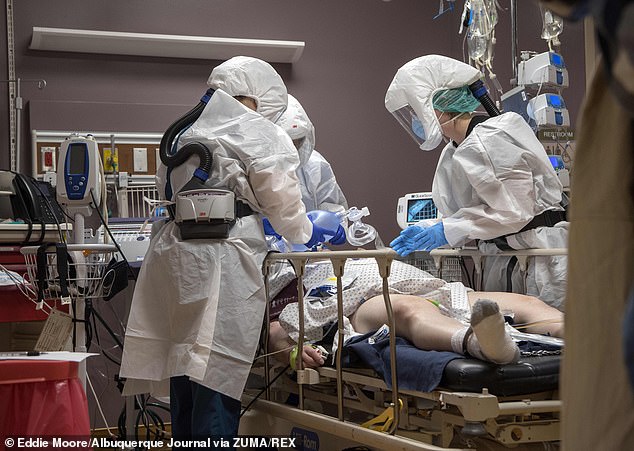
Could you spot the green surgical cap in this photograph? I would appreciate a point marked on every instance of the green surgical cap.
(457, 100)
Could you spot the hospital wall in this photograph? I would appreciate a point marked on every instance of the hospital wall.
(353, 48)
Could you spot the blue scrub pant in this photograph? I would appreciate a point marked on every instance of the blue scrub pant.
(199, 412)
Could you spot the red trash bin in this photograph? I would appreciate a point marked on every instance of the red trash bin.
(42, 398)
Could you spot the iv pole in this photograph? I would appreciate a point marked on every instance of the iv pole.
(514, 41)
(16, 128)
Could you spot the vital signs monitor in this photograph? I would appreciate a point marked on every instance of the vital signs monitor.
(415, 207)
(78, 172)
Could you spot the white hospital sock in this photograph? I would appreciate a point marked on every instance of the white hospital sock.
(489, 340)
(471, 348)
(488, 326)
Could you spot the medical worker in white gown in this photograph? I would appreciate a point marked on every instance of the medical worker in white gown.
(198, 305)
(320, 190)
(493, 183)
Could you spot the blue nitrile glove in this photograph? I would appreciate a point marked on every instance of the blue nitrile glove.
(340, 236)
(403, 244)
(269, 230)
(431, 238)
(317, 237)
(325, 223)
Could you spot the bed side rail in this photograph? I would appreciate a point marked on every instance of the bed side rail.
(298, 260)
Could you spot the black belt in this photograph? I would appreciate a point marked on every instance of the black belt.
(243, 209)
(546, 219)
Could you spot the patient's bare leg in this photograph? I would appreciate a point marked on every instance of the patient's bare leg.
(541, 317)
(416, 319)
(422, 323)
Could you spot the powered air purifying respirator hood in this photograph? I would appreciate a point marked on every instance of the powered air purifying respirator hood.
(200, 212)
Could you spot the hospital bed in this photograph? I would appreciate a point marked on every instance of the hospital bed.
(478, 405)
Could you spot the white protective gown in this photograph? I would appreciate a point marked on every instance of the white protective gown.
(492, 185)
(320, 190)
(198, 305)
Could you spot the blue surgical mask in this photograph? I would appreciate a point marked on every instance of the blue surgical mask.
(418, 128)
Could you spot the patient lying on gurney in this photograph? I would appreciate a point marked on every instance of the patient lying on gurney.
(429, 312)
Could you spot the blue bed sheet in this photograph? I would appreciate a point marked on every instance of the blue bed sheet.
(416, 370)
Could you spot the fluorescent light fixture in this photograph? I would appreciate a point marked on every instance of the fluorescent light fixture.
(163, 45)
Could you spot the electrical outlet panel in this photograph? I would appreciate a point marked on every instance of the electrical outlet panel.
(140, 159)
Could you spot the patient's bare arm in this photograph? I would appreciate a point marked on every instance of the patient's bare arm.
(281, 344)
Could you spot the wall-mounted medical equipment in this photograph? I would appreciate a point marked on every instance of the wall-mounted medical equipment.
(414, 207)
(557, 162)
(544, 70)
(516, 101)
(549, 110)
(560, 168)
(79, 174)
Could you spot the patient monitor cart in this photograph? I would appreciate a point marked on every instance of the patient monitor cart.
(414, 207)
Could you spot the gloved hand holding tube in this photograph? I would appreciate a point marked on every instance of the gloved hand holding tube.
(339, 237)
(327, 228)
(419, 238)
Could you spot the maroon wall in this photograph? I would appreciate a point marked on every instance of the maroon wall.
(353, 48)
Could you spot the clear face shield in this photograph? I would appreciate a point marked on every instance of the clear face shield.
(406, 116)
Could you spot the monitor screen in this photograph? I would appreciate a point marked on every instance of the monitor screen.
(419, 209)
(557, 162)
(77, 158)
(555, 101)
(556, 59)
